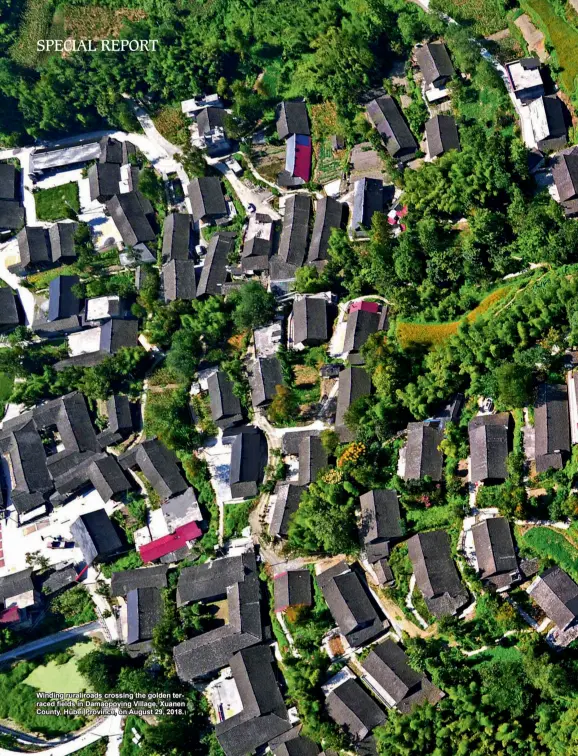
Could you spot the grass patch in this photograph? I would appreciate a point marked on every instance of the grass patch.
(484, 16)
(433, 518)
(237, 518)
(127, 747)
(35, 24)
(94, 749)
(61, 678)
(100, 23)
(435, 334)
(57, 203)
(497, 654)
(552, 546)
(6, 386)
(402, 570)
(172, 124)
(561, 35)
(131, 561)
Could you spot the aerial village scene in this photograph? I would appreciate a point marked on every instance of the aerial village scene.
(289, 379)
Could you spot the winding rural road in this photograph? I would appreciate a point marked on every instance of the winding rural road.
(38, 646)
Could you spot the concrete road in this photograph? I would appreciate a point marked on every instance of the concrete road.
(42, 644)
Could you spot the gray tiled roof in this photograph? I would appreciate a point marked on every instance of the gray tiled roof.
(489, 446)
(103, 180)
(387, 118)
(207, 198)
(435, 63)
(435, 572)
(179, 280)
(225, 406)
(354, 383)
(557, 594)
(8, 182)
(565, 173)
(295, 232)
(312, 459)
(95, 536)
(8, 310)
(248, 460)
(354, 709)
(177, 237)
(292, 118)
(380, 515)
(422, 454)
(129, 214)
(442, 135)
(310, 326)
(159, 466)
(360, 325)
(16, 584)
(494, 547)
(265, 375)
(293, 588)
(145, 577)
(329, 215)
(214, 271)
(286, 504)
(552, 426)
(61, 237)
(34, 247)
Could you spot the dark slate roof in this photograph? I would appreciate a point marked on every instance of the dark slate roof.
(58, 579)
(390, 123)
(107, 477)
(214, 271)
(177, 237)
(360, 325)
(494, 547)
(179, 280)
(265, 375)
(489, 446)
(207, 198)
(210, 118)
(256, 253)
(435, 572)
(557, 595)
(130, 217)
(293, 242)
(63, 303)
(248, 459)
(236, 579)
(159, 466)
(16, 584)
(434, 62)
(8, 182)
(119, 414)
(552, 426)
(299, 746)
(33, 246)
(380, 515)
(389, 667)
(312, 459)
(103, 180)
(8, 309)
(292, 588)
(144, 577)
(286, 504)
(565, 173)
(116, 334)
(28, 459)
(354, 383)
(383, 572)
(110, 150)
(354, 709)
(292, 118)
(557, 133)
(422, 454)
(11, 214)
(368, 199)
(350, 605)
(264, 715)
(441, 134)
(209, 581)
(144, 612)
(61, 237)
(329, 215)
(310, 325)
(95, 535)
(225, 406)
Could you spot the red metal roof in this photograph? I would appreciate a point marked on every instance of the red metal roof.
(302, 165)
(12, 614)
(365, 306)
(172, 542)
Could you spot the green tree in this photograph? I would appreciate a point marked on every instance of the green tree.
(253, 306)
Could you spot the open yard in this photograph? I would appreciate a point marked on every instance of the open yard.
(551, 544)
(433, 334)
(57, 203)
(484, 16)
(61, 678)
(561, 35)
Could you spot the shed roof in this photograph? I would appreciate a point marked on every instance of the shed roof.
(434, 62)
(329, 215)
(310, 320)
(422, 455)
(177, 237)
(494, 547)
(557, 594)
(286, 504)
(489, 446)
(207, 198)
(435, 572)
(292, 588)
